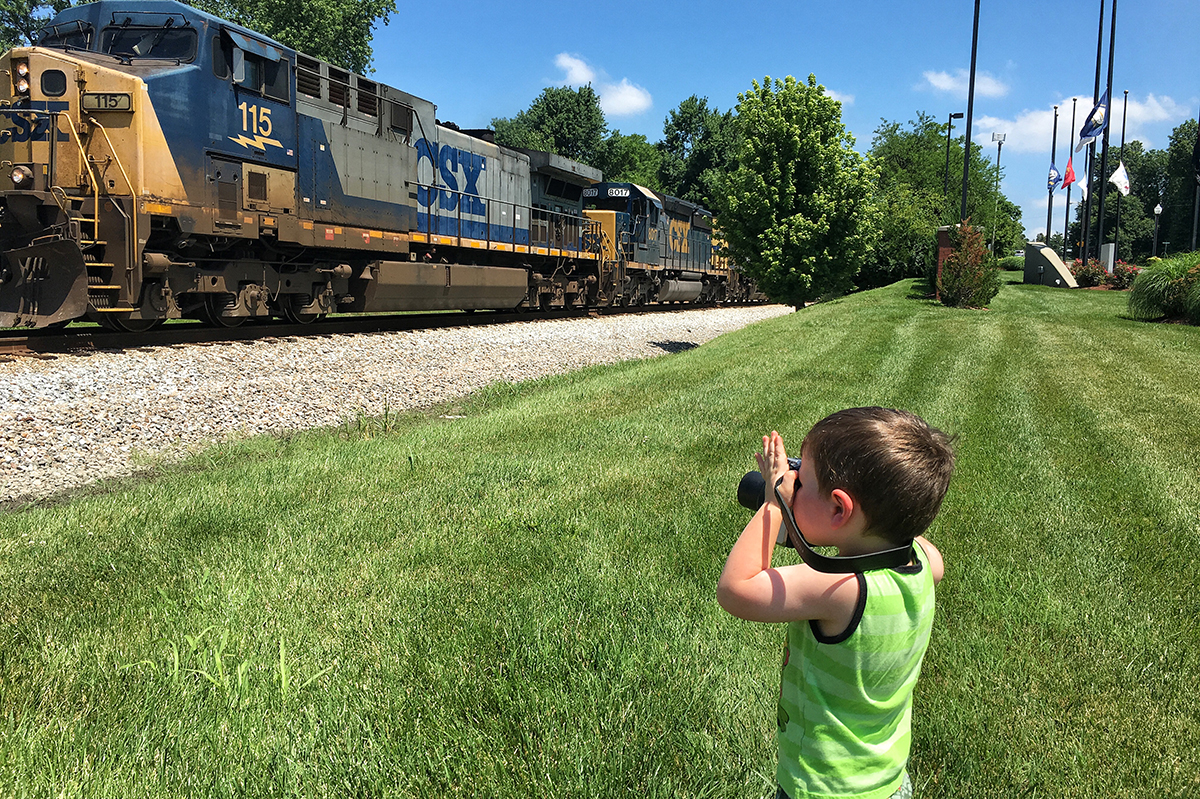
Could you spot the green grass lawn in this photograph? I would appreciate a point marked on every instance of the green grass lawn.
(520, 602)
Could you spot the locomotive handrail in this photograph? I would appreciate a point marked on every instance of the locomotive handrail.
(133, 242)
(86, 166)
(574, 242)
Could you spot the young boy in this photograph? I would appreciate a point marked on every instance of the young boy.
(870, 479)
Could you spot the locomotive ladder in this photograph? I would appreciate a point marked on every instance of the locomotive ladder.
(102, 297)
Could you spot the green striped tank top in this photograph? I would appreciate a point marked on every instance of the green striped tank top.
(845, 702)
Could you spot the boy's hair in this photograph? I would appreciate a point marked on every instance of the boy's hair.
(895, 466)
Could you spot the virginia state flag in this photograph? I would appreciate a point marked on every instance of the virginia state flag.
(1052, 179)
(1069, 178)
(1093, 126)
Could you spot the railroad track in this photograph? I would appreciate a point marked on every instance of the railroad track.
(49, 344)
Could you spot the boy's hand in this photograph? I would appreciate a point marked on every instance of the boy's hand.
(773, 464)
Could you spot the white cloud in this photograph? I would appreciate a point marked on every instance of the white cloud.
(624, 98)
(844, 99)
(578, 72)
(1032, 131)
(959, 83)
(616, 99)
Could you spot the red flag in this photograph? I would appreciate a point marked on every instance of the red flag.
(1069, 178)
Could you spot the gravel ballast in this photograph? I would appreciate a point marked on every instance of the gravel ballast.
(76, 419)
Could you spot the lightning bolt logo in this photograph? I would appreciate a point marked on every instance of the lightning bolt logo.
(258, 142)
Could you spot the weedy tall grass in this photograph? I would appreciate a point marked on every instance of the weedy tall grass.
(514, 595)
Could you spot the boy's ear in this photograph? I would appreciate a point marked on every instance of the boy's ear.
(842, 507)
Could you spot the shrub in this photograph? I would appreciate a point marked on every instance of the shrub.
(1013, 263)
(969, 278)
(1169, 287)
(1122, 276)
(1089, 274)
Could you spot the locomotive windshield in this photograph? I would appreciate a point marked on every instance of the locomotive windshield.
(75, 35)
(140, 41)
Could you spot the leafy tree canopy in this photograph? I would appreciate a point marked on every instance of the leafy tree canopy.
(697, 148)
(796, 210)
(562, 120)
(630, 159)
(337, 31)
(20, 20)
(917, 156)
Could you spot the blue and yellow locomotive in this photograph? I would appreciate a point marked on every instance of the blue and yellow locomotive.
(166, 163)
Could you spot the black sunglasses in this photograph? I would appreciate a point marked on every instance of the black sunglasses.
(887, 559)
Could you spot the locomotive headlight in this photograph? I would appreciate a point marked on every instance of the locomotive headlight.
(21, 76)
(22, 177)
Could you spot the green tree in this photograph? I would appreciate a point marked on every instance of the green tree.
(630, 159)
(1180, 194)
(561, 120)
(697, 148)
(337, 31)
(907, 241)
(797, 211)
(20, 20)
(916, 155)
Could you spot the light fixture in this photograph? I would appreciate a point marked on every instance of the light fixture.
(22, 176)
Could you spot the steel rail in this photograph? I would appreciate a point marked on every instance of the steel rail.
(47, 344)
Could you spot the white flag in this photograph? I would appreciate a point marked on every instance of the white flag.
(1082, 184)
(1120, 179)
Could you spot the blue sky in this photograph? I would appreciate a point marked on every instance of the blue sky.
(479, 60)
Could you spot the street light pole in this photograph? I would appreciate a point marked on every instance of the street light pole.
(946, 174)
(999, 139)
(1157, 213)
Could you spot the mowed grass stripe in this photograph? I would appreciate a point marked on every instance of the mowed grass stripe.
(521, 601)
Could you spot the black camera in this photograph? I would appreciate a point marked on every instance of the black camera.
(752, 491)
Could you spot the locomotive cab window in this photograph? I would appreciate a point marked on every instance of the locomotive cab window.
(255, 66)
(69, 36)
(269, 78)
(165, 42)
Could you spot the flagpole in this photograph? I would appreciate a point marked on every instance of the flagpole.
(1087, 200)
(1112, 42)
(1067, 213)
(1050, 195)
(970, 110)
(1117, 232)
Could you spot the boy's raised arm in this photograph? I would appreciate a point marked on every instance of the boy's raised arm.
(750, 589)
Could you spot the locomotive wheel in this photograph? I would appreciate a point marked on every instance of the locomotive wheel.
(210, 312)
(127, 324)
(291, 309)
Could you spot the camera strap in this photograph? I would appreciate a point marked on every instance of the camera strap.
(887, 559)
